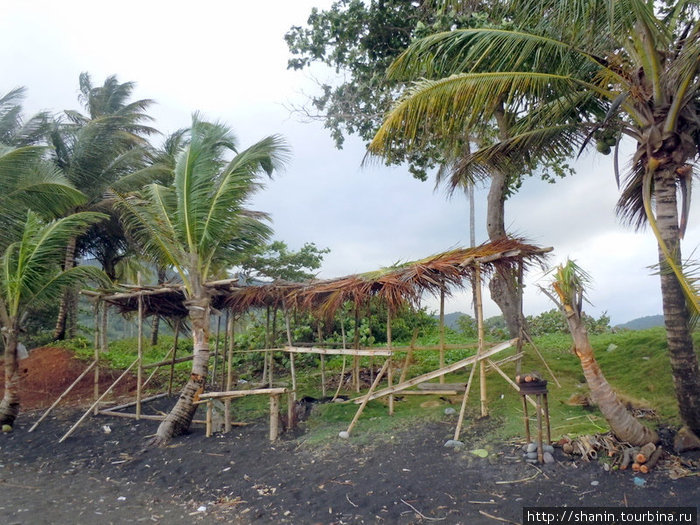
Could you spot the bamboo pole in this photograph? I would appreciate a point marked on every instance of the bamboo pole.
(521, 318)
(323, 362)
(463, 408)
(390, 371)
(409, 355)
(508, 379)
(96, 378)
(537, 351)
(480, 330)
(291, 354)
(365, 399)
(87, 413)
(148, 379)
(172, 364)
(274, 416)
(216, 350)
(442, 330)
(342, 370)
(64, 394)
(356, 359)
(338, 351)
(139, 371)
(132, 403)
(229, 370)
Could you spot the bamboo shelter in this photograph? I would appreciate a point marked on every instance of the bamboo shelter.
(397, 286)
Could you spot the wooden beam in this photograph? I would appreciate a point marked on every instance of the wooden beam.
(338, 351)
(242, 393)
(437, 373)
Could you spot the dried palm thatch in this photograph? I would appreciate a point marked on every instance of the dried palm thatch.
(396, 285)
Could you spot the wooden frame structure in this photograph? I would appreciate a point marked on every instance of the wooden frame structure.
(395, 286)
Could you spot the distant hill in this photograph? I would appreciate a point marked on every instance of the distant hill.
(451, 319)
(642, 323)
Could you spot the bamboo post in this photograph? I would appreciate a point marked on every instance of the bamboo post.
(537, 351)
(172, 364)
(291, 354)
(210, 409)
(323, 362)
(87, 413)
(268, 344)
(480, 329)
(365, 400)
(274, 416)
(229, 370)
(224, 354)
(463, 408)
(64, 394)
(356, 359)
(540, 450)
(526, 419)
(96, 378)
(389, 368)
(216, 350)
(139, 370)
(409, 355)
(442, 330)
(342, 371)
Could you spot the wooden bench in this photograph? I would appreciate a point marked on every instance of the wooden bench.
(274, 394)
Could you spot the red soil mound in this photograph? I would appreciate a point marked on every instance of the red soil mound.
(48, 371)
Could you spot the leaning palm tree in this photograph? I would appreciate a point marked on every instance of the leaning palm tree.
(639, 63)
(31, 274)
(569, 295)
(199, 224)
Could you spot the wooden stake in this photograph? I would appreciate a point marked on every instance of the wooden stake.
(389, 368)
(291, 354)
(508, 379)
(216, 350)
(210, 409)
(323, 362)
(356, 360)
(480, 329)
(342, 371)
(139, 371)
(365, 399)
(409, 355)
(521, 318)
(537, 351)
(64, 394)
(442, 330)
(87, 413)
(172, 364)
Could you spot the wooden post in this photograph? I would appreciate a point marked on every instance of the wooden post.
(139, 370)
(365, 399)
(172, 364)
(342, 370)
(229, 370)
(210, 409)
(291, 355)
(409, 355)
(96, 378)
(274, 416)
(268, 344)
(540, 450)
(389, 368)
(480, 329)
(526, 420)
(521, 318)
(442, 330)
(356, 359)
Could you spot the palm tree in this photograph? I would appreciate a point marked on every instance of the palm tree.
(14, 129)
(94, 151)
(198, 225)
(30, 274)
(638, 64)
(569, 287)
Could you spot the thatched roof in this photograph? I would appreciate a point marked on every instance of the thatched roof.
(396, 285)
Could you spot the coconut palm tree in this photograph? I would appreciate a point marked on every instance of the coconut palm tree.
(14, 129)
(636, 61)
(569, 294)
(30, 274)
(199, 224)
(94, 150)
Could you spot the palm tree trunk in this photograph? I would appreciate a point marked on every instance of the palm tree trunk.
(180, 417)
(9, 406)
(684, 360)
(504, 283)
(621, 422)
(59, 331)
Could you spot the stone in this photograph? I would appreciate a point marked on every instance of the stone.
(454, 443)
(531, 447)
(531, 455)
(7, 428)
(685, 440)
(449, 411)
(548, 448)
(344, 434)
(548, 458)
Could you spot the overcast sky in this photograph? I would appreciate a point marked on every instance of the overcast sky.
(228, 60)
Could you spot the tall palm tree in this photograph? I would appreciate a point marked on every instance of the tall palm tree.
(638, 63)
(569, 289)
(30, 274)
(199, 224)
(14, 129)
(94, 150)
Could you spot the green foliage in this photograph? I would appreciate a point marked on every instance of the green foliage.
(553, 322)
(276, 261)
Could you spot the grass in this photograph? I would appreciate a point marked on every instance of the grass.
(634, 362)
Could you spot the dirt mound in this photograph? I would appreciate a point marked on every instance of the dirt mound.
(48, 371)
